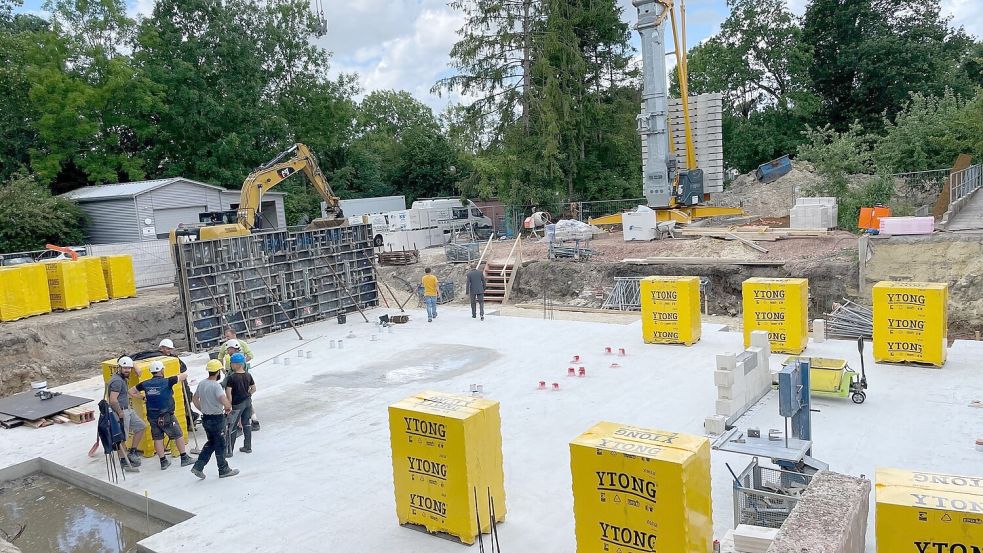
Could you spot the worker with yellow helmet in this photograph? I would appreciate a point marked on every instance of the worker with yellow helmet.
(214, 404)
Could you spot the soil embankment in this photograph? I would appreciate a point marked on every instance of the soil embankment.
(67, 346)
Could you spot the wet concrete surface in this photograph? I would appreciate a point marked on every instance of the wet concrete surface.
(61, 517)
(425, 363)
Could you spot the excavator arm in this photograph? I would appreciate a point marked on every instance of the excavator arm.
(297, 158)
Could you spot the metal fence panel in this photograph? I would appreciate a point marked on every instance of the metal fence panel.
(152, 264)
(766, 496)
(965, 182)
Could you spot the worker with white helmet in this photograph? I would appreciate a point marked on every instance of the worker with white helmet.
(119, 400)
(166, 348)
(232, 347)
(159, 397)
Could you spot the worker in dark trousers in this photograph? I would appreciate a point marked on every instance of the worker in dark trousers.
(214, 405)
(159, 397)
(475, 288)
(239, 387)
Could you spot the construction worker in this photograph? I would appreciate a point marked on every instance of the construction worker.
(476, 288)
(119, 401)
(430, 292)
(232, 347)
(166, 348)
(214, 405)
(159, 398)
(243, 346)
(239, 387)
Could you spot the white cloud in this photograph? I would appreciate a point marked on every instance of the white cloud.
(965, 13)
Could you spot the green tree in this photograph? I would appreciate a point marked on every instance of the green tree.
(930, 132)
(19, 35)
(869, 55)
(759, 63)
(31, 217)
(493, 60)
(93, 106)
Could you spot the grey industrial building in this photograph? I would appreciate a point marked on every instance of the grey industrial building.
(149, 210)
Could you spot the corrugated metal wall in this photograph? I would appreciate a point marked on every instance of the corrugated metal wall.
(111, 221)
(176, 194)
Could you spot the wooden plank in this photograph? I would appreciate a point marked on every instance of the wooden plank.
(748, 243)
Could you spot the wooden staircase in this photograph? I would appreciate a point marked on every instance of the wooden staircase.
(496, 282)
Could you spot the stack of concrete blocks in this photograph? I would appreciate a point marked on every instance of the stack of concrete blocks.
(813, 213)
(830, 517)
(741, 380)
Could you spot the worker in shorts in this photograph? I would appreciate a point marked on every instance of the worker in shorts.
(233, 347)
(119, 400)
(166, 348)
(239, 387)
(214, 405)
(159, 397)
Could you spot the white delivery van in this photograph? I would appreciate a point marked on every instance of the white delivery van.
(451, 215)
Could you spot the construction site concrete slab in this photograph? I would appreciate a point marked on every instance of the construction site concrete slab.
(320, 475)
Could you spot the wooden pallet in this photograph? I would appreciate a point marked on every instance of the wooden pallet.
(80, 414)
(408, 257)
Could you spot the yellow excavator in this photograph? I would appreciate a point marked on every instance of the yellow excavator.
(240, 222)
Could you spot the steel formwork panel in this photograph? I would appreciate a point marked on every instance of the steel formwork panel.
(257, 284)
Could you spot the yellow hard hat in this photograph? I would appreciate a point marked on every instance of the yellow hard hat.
(213, 366)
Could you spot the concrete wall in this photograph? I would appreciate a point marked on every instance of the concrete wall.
(942, 257)
(831, 517)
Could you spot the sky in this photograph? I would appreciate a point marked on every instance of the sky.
(404, 44)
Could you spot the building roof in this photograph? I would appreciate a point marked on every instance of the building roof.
(126, 190)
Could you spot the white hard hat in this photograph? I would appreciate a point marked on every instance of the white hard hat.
(125, 362)
(166, 343)
(156, 366)
(234, 344)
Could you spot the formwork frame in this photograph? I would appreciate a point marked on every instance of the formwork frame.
(260, 283)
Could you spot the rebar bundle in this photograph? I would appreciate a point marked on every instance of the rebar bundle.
(849, 320)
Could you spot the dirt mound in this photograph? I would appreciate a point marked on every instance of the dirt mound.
(65, 347)
(773, 199)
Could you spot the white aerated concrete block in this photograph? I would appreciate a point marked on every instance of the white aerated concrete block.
(728, 361)
(725, 407)
(759, 338)
(723, 378)
(715, 424)
(818, 331)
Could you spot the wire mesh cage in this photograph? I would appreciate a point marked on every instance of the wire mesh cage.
(765, 496)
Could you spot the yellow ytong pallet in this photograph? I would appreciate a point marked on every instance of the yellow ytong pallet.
(36, 283)
(780, 307)
(13, 294)
(925, 512)
(911, 322)
(68, 284)
(641, 490)
(96, 278)
(172, 367)
(444, 447)
(118, 270)
(670, 309)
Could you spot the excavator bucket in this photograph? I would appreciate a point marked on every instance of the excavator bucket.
(327, 222)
